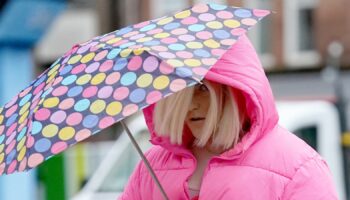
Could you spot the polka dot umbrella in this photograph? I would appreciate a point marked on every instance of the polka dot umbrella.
(100, 82)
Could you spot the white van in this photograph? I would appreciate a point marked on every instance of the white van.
(316, 122)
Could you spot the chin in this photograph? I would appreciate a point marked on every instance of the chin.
(196, 135)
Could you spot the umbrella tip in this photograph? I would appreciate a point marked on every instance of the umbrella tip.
(198, 80)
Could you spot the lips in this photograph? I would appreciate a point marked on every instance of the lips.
(194, 119)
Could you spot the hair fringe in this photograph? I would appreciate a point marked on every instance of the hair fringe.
(223, 124)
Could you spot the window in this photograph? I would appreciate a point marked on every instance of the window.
(211, 1)
(298, 28)
(162, 8)
(309, 135)
(305, 21)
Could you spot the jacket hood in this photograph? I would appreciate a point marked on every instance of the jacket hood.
(239, 68)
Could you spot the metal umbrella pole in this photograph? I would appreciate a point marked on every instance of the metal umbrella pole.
(165, 196)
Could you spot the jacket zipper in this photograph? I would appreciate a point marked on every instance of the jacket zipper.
(207, 168)
(186, 180)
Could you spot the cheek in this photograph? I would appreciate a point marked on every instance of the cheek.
(206, 107)
(194, 131)
(204, 101)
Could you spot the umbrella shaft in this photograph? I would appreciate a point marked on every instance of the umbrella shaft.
(144, 159)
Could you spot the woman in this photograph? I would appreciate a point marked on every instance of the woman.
(221, 140)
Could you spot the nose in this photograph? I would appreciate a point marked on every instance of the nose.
(194, 106)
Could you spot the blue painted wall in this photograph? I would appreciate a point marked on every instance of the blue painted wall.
(16, 72)
(22, 24)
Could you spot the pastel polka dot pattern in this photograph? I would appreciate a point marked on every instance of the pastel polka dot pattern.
(100, 82)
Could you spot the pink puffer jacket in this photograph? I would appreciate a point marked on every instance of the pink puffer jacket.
(268, 163)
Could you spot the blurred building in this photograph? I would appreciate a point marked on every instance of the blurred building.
(295, 37)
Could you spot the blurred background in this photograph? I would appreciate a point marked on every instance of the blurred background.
(304, 47)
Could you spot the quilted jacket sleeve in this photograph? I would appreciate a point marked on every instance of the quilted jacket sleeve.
(312, 180)
(132, 188)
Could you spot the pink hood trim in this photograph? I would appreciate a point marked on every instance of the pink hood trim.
(239, 68)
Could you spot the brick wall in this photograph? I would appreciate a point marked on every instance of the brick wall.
(333, 23)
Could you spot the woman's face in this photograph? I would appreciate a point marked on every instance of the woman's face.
(198, 110)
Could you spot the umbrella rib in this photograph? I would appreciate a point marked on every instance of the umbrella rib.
(144, 159)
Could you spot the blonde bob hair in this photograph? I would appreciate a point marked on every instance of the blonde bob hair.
(223, 122)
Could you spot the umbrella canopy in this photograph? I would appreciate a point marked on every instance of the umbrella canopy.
(100, 82)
